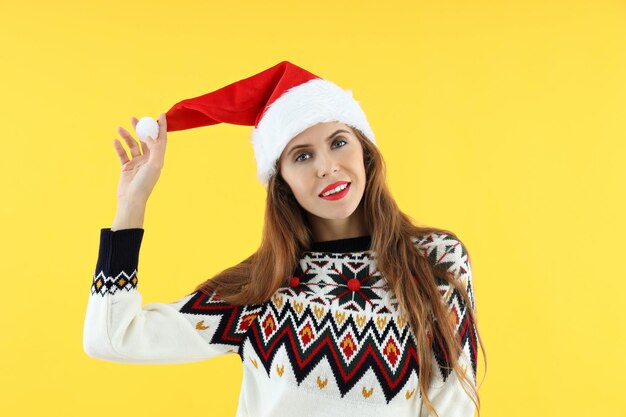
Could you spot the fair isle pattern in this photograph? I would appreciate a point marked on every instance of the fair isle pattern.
(445, 251)
(352, 342)
(234, 320)
(342, 280)
(103, 285)
(337, 307)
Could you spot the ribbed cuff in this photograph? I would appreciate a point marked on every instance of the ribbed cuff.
(119, 252)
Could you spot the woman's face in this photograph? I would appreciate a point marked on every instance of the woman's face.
(322, 155)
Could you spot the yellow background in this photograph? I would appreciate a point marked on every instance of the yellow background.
(501, 121)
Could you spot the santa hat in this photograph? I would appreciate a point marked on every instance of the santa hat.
(280, 102)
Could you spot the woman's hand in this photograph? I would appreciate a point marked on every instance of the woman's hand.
(139, 175)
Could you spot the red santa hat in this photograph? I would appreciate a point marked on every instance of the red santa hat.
(280, 102)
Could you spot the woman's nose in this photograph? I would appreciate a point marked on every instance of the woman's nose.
(326, 165)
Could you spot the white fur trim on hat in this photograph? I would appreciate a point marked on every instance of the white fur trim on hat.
(297, 109)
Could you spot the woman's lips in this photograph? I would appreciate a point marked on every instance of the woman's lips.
(338, 195)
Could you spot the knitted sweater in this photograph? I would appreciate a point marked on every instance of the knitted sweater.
(331, 343)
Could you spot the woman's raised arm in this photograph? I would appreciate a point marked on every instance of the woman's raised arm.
(117, 327)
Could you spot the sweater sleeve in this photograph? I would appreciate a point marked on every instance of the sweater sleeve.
(118, 328)
(446, 392)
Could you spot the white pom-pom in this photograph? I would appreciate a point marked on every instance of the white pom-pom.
(147, 126)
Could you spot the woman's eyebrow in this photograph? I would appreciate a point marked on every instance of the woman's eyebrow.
(293, 148)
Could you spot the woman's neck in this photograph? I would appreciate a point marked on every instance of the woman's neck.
(334, 229)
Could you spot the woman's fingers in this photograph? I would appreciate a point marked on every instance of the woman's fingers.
(162, 126)
(157, 152)
(121, 153)
(145, 149)
(141, 148)
(130, 141)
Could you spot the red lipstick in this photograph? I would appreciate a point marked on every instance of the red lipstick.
(336, 196)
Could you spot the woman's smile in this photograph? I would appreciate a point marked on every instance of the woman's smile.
(338, 195)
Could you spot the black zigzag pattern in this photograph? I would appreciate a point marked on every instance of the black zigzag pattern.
(234, 320)
(391, 353)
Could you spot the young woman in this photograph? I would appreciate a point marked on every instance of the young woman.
(346, 308)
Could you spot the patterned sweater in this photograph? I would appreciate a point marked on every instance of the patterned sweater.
(331, 343)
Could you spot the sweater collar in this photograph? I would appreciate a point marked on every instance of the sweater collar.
(351, 244)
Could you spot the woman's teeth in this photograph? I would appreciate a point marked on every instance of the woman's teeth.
(335, 190)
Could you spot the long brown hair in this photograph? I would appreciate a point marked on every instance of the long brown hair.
(409, 274)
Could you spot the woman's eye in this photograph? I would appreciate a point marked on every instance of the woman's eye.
(341, 140)
(306, 153)
(298, 157)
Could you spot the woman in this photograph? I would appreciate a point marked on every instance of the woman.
(346, 308)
